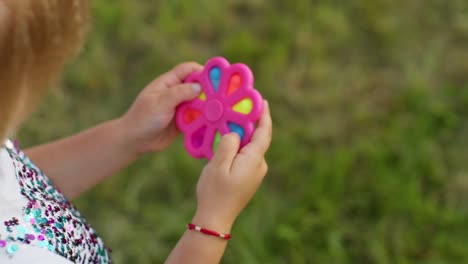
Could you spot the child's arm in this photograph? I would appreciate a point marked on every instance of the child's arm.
(77, 163)
(225, 187)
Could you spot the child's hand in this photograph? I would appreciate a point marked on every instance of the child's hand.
(230, 179)
(150, 124)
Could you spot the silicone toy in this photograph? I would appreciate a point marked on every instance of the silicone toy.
(228, 103)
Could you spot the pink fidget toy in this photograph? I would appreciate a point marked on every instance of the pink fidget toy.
(227, 103)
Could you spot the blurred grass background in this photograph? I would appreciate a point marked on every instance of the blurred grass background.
(370, 105)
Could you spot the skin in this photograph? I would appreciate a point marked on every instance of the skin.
(227, 183)
(79, 162)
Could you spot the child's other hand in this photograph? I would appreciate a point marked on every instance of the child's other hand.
(150, 123)
(230, 179)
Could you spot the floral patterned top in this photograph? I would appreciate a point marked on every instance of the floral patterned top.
(37, 222)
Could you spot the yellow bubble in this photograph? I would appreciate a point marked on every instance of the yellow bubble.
(202, 96)
(244, 106)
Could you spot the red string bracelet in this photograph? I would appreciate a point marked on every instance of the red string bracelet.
(208, 232)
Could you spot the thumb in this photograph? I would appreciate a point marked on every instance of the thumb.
(227, 151)
(175, 95)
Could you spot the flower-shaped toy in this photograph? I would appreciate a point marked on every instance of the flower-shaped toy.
(228, 103)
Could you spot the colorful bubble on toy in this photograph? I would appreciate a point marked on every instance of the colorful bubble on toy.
(228, 103)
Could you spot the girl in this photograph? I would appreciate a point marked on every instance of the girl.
(38, 224)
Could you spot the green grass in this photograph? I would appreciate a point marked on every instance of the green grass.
(370, 105)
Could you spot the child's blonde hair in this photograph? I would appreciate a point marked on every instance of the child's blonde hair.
(36, 38)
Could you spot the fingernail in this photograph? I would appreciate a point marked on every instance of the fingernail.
(196, 87)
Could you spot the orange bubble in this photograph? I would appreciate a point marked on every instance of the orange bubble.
(191, 115)
(234, 83)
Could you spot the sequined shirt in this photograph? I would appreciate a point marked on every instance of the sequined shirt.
(38, 224)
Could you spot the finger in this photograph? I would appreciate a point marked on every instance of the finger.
(264, 167)
(178, 74)
(173, 129)
(261, 138)
(182, 70)
(180, 93)
(227, 150)
(173, 126)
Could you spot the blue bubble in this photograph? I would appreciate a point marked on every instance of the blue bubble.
(215, 77)
(237, 129)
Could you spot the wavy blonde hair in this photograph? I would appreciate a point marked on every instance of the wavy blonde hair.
(36, 38)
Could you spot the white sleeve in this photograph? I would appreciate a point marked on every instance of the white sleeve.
(32, 255)
(9, 187)
(11, 203)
